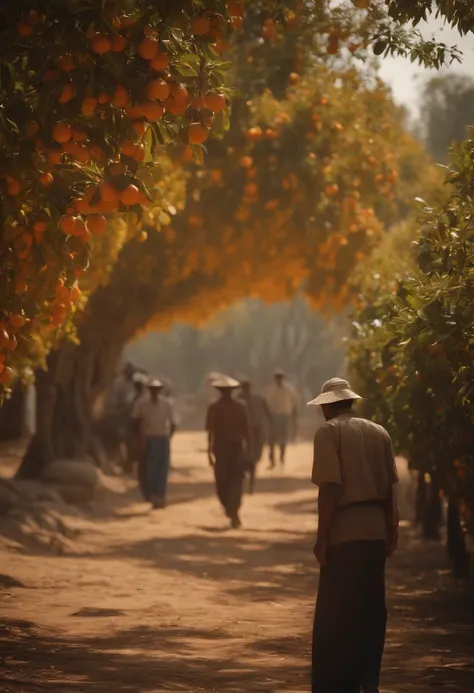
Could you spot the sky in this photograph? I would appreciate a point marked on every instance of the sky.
(406, 79)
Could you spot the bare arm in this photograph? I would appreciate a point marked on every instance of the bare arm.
(327, 501)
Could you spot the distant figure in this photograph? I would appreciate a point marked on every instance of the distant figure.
(139, 381)
(228, 428)
(260, 422)
(354, 468)
(155, 426)
(283, 405)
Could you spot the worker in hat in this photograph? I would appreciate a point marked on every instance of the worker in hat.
(156, 425)
(260, 421)
(354, 468)
(229, 440)
(282, 403)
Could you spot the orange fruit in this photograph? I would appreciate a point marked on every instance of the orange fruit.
(53, 157)
(66, 63)
(108, 193)
(6, 376)
(151, 110)
(24, 29)
(215, 102)
(4, 338)
(121, 98)
(139, 127)
(148, 48)
(117, 169)
(269, 30)
(221, 46)
(12, 343)
(46, 179)
(159, 63)
(32, 128)
(179, 92)
(158, 89)
(108, 207)
(294, 77)
(246, 162)
(88, 106)
(235, 9)
(127, 147)
(103, 98)
(142, 237)
(67, 93)
(197, 133)
(21, 287)
(68, 224)
(119, 43)
(13, 186)
(78, 135)
(40, 226)
(101, 44)
(175, 107)
(96, 223)
(237, 22)
(61, 133)
(200, 26)
(130, 195)
(198, 102)
(79, 227)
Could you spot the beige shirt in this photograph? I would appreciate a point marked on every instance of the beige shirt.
(156, 417)
(357, 454)
(281, 400)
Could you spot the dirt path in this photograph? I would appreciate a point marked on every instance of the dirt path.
(173, 601)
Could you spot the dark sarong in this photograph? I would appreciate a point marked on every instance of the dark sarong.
(229, 475)
(350, 619)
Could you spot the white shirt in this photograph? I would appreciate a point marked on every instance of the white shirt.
(281, 400)
(156, 416)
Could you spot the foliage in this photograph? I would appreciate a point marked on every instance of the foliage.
(412, 347)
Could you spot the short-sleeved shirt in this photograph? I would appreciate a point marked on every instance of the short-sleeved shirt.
(356, 454)
(281, 400)
(228, 420)
(156, 417)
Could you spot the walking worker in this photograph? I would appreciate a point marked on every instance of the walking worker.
(283, 405)
(354, 468)
(260, 421)
(229, 440)
(156, 425)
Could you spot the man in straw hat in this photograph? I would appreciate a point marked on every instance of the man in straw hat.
(283, 405)
(155, 426)
(260, 421)
(229, 439)
(354, 468)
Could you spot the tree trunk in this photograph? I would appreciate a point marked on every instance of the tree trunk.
(456, 543)
(12, 414)
(432, 514)
(77, 374)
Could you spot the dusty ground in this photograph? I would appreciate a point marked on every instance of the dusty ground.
(173, 601)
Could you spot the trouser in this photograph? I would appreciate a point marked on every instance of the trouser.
(157, 467)
(229, 475)
(350, 619)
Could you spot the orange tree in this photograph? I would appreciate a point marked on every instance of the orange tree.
(412, 346)
(89, 93)
(255, 245)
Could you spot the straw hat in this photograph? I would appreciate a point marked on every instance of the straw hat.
(154, 382)
(334, 390)
(223, 381)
